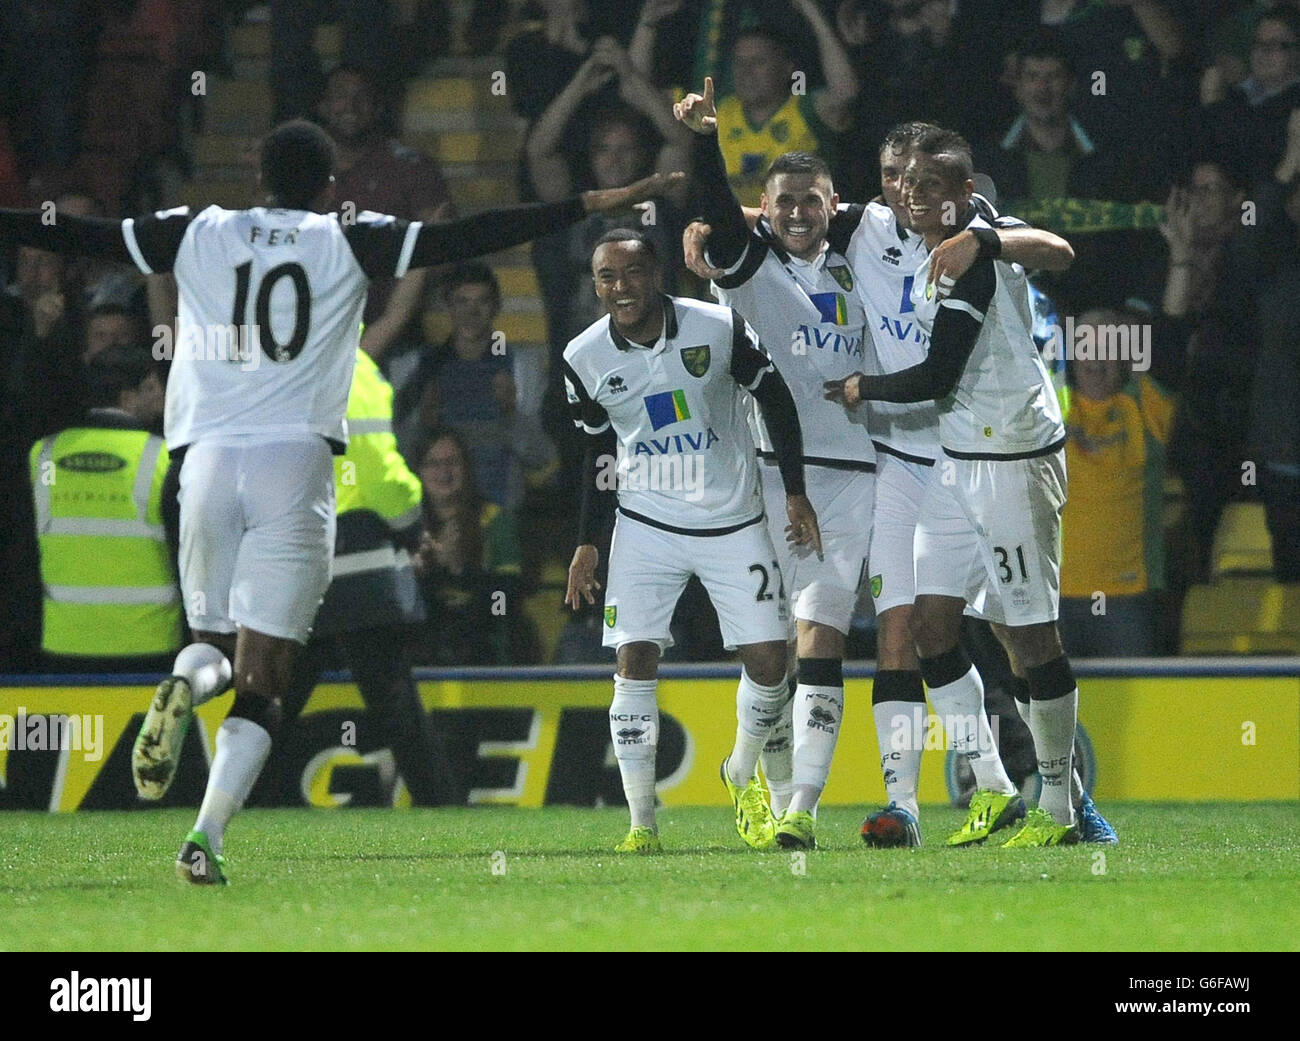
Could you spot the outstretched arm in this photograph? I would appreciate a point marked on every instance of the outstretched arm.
(394, 247)
(729, 236)
(150, 243)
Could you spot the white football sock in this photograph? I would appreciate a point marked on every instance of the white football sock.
(960, 705)
(1052, 723)
(778, 756)
(901, 740)
(758, 710)
(242, 748)
(634, 730)
(205, 668)
(818, 709)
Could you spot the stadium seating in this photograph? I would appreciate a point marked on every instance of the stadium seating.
(1242, 544)
(1242, 616)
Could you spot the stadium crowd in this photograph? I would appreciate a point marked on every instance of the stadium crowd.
(1161, 137)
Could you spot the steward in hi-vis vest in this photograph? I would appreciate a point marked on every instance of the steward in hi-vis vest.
(110, 594)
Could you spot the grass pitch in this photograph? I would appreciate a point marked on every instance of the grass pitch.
(1186, 877)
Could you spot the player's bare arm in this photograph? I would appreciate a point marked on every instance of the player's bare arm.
(1031, 248)
(695, 240)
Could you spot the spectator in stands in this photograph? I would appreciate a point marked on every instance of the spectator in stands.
(109, 326)
(112, 600)
(766, 116)
(913, 58)
(468, 385)
(376, 172)
(1047, 153)
(43, 328)
(626, 140)
(1274, 439)
(1209, 315)
(1149, 80)
(1245, 126)
(45, 53)
(471, 581)
(1117, 426)
(369, 43)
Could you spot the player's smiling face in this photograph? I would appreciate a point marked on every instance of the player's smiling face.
(628, 284)
(799, 207)
(935, 199)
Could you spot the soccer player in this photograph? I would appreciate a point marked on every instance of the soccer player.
(669, 376)
(270, 314)
(989, 524)
(798, 293)
(884, 253)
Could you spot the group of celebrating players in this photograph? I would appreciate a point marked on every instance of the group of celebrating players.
(906, 428)
(869, 377)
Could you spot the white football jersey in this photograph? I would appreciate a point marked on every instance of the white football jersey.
(811, 323)
(270, 315)
(885, 258)
(679, 409)
(1004, 403)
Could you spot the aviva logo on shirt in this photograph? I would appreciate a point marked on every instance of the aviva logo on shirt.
(667, 408)
(831, 306)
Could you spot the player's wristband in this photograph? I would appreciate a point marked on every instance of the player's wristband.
(990, 244)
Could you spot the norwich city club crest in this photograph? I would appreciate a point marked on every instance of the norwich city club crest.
(611, 615)
(696, 360)
(877, 583)
(843, 276)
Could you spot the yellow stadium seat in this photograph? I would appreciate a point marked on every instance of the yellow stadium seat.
(1242, 545)
(546, 610)
(1242, 616)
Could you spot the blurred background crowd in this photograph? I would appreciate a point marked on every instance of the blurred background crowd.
(1161, 137)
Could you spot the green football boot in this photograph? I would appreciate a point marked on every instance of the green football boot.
(796, 830)
(197, 864)
(754, 821)
(157, 750)
(1041, 829)
(640, 840)
(989, 812)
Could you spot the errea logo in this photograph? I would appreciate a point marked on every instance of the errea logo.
(892, 255)
(102, 995)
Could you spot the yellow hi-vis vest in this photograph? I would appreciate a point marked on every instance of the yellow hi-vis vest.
(372, 475)
(109, 583)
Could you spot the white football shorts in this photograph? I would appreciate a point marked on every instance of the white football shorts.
(823, 591)
(257, 534)
(649, 567)
(900, 488)
(990, 533)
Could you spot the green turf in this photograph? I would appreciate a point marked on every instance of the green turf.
(1187, 877)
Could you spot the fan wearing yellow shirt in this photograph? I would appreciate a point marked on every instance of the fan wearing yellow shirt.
(1112, 566)
(772, 112)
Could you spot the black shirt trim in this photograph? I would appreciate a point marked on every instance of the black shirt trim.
(706, 532)
(1032, 454)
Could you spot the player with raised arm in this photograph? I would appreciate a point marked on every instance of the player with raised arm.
(798, 293)
(270, 315)
(669, 376)
(883, 253)
(988, 531)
